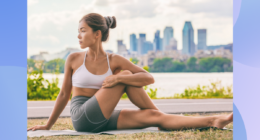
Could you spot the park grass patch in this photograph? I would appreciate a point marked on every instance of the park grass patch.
(66, 123)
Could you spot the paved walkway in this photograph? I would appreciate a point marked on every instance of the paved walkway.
(42, 109)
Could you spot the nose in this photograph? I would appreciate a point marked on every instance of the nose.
(79, 36)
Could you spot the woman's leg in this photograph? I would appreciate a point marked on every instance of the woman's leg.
(149, 117)
(109, 97)
(137, 95)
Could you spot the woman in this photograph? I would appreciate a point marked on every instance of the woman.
(98, 82)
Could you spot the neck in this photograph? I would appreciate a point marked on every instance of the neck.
(96, 52)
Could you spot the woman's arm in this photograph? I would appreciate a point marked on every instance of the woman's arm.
(62, 98)
(61, 102)
(65, 92)
(137, 79)
(140, 77)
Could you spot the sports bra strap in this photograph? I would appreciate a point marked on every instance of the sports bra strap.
(108, 62)
(85, 58)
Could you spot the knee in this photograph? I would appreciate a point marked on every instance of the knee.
(154, 112)
(156, 116)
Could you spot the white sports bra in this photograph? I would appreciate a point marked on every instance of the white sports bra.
(84, 79)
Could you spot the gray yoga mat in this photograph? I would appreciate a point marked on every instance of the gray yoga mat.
(39, 133)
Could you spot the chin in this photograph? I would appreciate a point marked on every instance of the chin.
(82, 47)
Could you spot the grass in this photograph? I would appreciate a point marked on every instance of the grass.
(65, 124)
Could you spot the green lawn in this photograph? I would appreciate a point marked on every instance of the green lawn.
(65, 123)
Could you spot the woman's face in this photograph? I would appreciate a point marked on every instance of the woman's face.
(86, 36)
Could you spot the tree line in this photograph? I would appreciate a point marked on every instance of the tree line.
(208, 64)
(52, 66)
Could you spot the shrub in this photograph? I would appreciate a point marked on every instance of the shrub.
(39, 88)
(214, 90)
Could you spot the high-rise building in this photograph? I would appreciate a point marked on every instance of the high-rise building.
(229, 47)
(147, 46)
(172, 45)
(157, 41)
(121, 47)
(202, 39)
(188, 39)
(161, 44)
(140, 44)
(133, 43)
(167, 35)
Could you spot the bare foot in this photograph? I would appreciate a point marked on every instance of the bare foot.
(222, 120)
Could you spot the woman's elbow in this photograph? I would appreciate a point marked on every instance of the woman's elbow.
(64, 95)
(151, 80)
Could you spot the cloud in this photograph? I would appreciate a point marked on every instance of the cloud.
(54, 29)
(50, 38)
(135, 9)
(110, 2)
(217, 7)
(37, 21)
(32, 2)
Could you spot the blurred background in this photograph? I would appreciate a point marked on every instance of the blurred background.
(184, 44)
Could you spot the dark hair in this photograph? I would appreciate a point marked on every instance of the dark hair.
(98, 22)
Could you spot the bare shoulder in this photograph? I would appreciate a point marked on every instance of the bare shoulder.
(123, 63)
(118, 58)
(74, 57)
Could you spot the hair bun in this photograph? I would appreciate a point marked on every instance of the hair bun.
(111, 21)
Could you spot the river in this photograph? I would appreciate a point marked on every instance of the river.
(168, 84)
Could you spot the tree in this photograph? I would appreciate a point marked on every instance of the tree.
(191, 63)
(214, 64)
(56, 65)
(162, 65)
(30, 65)
(178, 66)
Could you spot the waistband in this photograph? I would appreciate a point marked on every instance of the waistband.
(80, 98)
(77, 101)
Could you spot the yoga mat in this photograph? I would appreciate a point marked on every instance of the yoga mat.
(39, 133)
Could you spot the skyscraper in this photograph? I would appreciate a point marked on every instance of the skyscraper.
(167, 35)
(157, 40)
(141, 40)
(172, 45)
(133, 43)
(188, 39)
(202, 39)
(147, 46)
(121, 48)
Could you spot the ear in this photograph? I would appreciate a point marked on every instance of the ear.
(98, 34)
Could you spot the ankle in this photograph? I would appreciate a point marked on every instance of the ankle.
(212, 121)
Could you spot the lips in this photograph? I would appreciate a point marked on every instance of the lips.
(80, 42)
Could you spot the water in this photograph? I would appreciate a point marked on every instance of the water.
(170, 83)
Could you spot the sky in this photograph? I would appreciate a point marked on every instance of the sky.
(53, 25)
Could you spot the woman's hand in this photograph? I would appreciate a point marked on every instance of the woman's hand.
(110, 81)
(39, 127)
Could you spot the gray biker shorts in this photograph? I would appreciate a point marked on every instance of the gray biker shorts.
(87, 116)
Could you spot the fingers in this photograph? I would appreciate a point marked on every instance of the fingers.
(31, 128)
(105, 85)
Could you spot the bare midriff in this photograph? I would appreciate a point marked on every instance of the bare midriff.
(88, 92)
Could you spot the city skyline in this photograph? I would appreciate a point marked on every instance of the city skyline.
(168, 42)
(53, 27)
